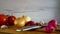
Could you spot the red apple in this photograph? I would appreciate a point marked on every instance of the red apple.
(11, 20)
(3, 19)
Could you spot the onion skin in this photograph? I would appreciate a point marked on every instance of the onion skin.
(30, 23)
(19, 22)
(53, 23)
(51, 26)
(50, 29)
(22, 21)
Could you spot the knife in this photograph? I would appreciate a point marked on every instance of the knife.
(29, 28)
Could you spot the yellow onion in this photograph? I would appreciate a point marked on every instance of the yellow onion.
(19, 22)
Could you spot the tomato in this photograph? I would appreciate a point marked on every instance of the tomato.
(11, 20)
(3, 19)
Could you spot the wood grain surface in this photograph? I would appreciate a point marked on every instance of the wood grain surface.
(12, 30)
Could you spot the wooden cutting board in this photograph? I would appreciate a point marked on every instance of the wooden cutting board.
(12, 30)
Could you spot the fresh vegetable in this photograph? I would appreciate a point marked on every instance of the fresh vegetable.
(11, 20)
(30, 23)
(3, 19)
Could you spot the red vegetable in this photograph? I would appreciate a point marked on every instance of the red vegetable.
(3, 19)
(49, 29)
(30, 23)
(53, 23)
(11, 20)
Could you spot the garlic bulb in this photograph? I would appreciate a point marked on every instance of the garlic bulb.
(4, 26)
(41, 22)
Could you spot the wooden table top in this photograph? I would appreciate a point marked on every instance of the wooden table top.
(12, 30)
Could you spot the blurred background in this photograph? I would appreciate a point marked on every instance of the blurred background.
(37, 9)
